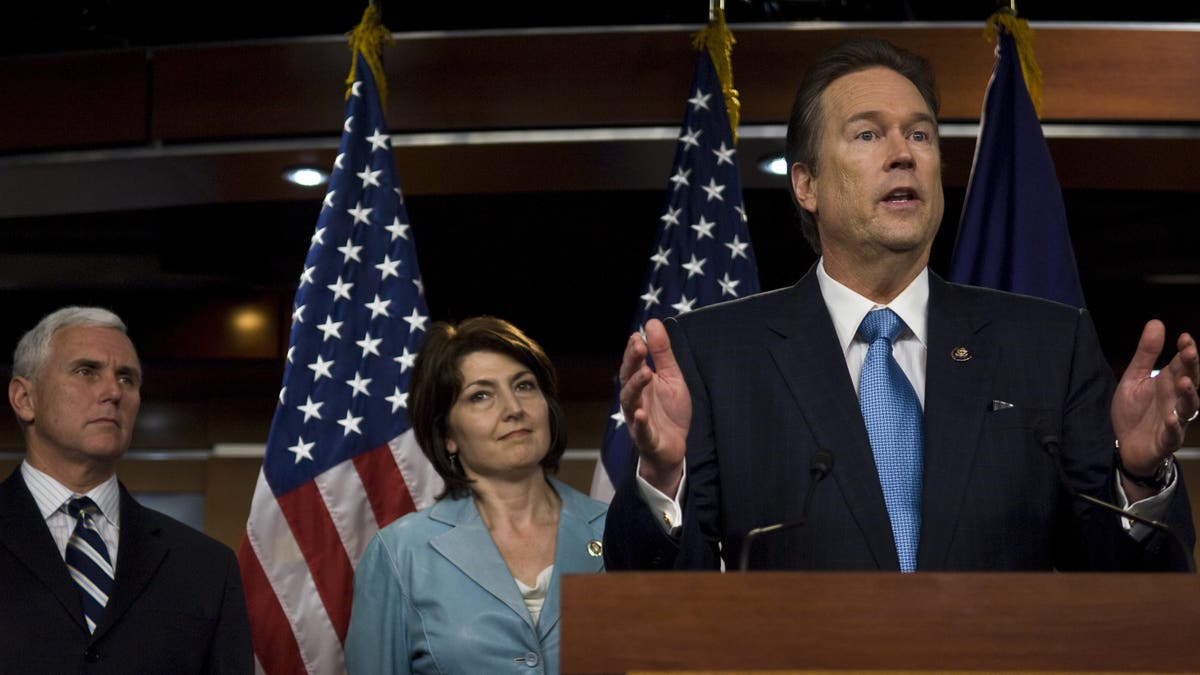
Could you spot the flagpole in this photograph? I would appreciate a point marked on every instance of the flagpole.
(713, 7)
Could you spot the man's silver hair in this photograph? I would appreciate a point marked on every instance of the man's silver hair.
(34, 347)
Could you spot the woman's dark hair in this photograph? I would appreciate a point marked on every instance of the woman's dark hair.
(437, 382)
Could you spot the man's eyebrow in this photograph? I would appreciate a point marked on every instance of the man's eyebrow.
(875, 115)
(130, 370)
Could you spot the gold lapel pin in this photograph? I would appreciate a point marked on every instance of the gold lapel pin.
(595, 548)
(960, 354)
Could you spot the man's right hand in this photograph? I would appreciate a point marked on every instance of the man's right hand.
(657, 407)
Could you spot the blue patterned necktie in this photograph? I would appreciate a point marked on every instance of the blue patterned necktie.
(88, 561)
(894, 425)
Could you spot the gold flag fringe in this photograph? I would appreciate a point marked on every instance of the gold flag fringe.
(1022, 35)
(719, 41)
(368, 38)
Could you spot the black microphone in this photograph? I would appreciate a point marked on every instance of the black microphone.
(1049, 442)
(818, 467)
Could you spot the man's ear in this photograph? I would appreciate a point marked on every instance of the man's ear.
(803, 187)
(20, 397)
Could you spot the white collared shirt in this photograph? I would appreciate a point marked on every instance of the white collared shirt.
(848, 309)
(52, 496)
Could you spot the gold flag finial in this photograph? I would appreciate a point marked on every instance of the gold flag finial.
(1022, 35)
(719, 41)
(368, 38)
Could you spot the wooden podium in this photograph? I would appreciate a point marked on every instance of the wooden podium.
(1014, 622)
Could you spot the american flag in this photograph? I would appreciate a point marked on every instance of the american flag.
(703, 253)
(341, 461)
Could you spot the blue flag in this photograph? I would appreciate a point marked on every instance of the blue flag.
(1013, 235)
(703, 253)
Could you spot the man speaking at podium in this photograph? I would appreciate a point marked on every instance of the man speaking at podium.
(926, 424)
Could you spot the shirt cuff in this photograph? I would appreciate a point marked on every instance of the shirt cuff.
(668, 510)
(1151, 508)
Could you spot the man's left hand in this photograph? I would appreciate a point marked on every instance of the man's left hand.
(1151, 414)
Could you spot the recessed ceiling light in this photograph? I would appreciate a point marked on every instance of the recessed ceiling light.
(306, 176)
(774, 165)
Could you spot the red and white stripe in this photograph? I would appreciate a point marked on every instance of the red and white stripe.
(300, 550)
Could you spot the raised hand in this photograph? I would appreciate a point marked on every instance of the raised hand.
(656, 405)
(1150, 414)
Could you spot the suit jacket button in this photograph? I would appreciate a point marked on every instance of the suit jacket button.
(531, 659)
(91, 655)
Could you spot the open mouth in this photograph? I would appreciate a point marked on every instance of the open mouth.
(900, 196)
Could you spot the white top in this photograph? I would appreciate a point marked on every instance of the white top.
(535, 596)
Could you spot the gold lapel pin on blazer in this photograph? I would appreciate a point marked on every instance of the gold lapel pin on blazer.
(960, 354)
(595, 548)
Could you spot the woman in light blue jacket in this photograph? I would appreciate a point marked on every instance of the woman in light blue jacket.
(471, 584)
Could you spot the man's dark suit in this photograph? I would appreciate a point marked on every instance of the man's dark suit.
(177, 605)
(769, 386)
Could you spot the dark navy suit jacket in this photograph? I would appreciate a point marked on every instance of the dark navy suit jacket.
(769, 387)
(177, 605)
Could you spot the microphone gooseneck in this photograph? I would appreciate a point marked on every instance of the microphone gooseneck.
(818, 467)
(1048, 439)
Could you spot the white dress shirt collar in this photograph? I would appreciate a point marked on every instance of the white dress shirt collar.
(50, 495)
(847, 308)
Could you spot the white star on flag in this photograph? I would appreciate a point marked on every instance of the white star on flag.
(341, 289)
(369, 177)
(398, 229)
(651, 296)
(713, 190)
(680, 179)
(379, 140)
(350, 423)
(388, 268)
(406, 360)
(700, 100)
(310, 409)
(331, 329)
(724, 154)
(398, 399)
(378, 307)
(416, 320)
(359, 385)
(691, 138)
(661, 258)
(360, 214)
(704, 228)
(350, 251)
(727, 285)
(302, 450)
(321, 368)
(369, 345)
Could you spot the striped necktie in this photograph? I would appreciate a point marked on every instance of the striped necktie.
(88, 561)
(895, 426)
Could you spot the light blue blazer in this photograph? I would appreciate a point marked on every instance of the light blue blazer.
(433, 595)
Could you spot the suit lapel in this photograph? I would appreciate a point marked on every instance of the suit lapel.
(469, 547)
(812, 363)
(957, 386)
(575, 551)
(139, 554)
(23, 531)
